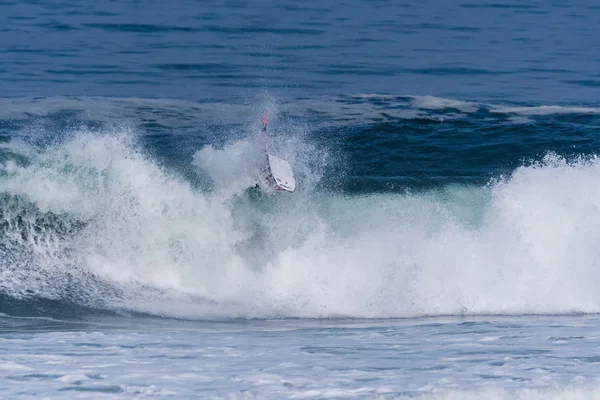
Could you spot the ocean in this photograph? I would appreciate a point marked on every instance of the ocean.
(442, 242)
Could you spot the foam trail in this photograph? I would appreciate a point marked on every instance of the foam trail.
(437, 103)
(95, 220)
(558, 393)
(545, 110)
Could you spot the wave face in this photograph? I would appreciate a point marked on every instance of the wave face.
(108, 213)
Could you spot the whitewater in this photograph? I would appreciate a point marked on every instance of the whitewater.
(94, 220)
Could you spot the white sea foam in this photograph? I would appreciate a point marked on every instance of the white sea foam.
(439, 103)
(567, 393)
(12, 366)
(524, 245)
(423, 359)
(544, 110)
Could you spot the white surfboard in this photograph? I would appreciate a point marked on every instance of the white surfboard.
(282, 173)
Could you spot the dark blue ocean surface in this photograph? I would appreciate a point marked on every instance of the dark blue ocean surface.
(522, 51)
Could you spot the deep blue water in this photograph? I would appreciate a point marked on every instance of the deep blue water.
(446, 163)
(531, 51)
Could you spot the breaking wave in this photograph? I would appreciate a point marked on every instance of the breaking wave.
(96, 222)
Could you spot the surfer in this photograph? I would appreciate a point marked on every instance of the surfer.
(277, 172)
(265, 171)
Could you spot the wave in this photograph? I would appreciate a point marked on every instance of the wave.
(97, 210)
(97, 222)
